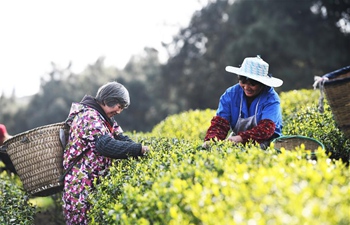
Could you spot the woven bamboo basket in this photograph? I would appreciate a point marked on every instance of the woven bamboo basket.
(337, 92)
(293, 142)
(37, 155)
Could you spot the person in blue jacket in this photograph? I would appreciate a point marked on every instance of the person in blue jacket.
(250, 109)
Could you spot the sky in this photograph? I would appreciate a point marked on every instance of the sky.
(37, 32)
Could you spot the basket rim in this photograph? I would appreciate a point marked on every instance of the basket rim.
(337, 72)
(298, 136)
(30, 131)
(38, 180)
(336, 81)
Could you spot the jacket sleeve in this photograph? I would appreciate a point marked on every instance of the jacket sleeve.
(260, 133)
(117, 149)
(122, 137)
(218, 129)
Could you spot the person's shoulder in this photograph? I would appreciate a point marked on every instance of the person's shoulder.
(270, 91)
(232, 93)
(76, 107)
(234, 89)
(272, 94)
(85, 112)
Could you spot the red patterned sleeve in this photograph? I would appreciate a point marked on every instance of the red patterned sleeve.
(262, 132)
(218, 129)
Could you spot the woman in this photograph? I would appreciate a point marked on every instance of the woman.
(4, 136)
(251, 108)
(94, 140)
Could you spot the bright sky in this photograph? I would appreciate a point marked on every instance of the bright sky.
(37, 32)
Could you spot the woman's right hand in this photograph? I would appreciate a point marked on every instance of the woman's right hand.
(144, 150)
(235, 139)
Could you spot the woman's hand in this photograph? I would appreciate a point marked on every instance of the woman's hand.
(206, 144)
(144, 150)
(235, 139)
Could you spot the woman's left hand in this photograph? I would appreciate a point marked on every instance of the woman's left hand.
(235, 139)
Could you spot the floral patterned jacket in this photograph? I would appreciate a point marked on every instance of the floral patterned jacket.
(88, 122)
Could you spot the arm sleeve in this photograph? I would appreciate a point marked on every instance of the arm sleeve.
(224, 107)
(260, 133)
(118, 133)
(218, 129)
(117, 149)
(272, 111)
(122, 137)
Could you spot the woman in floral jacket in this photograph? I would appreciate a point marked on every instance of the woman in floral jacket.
(95, 139)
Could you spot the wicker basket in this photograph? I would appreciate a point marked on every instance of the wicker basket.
(294, 142)
(37, 155)
(337, 92)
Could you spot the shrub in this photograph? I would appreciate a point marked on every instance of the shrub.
(308, 121)
(178, 184)
(292, 101)
(14, 206)
(189, 125)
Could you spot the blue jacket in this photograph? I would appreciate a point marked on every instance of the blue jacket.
(269, 106)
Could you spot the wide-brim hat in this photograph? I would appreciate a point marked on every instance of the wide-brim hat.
(257, 69)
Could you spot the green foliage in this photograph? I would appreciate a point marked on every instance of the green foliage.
(177, 184)
(308, 121)
(221, 33)
(225, 32)
(292, 101)
(14, 205)
(180, 184)
(189, 125)
(61, 87)
(302, 117)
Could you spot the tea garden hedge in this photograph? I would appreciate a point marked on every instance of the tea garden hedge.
(14, 204)
(181, 183)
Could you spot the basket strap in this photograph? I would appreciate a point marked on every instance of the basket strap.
(3, 149)
(319, 81)
(63, 140)
(72, 164)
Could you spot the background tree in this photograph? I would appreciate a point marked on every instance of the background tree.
(61, 87)
(295, 38)
(299, 39)
(142, 79)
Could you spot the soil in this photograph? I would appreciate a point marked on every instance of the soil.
(51, 216)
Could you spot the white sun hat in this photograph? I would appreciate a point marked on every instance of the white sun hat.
(255, 68)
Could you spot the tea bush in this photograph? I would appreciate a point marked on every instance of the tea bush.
(308, 121)
(292, 101)
(14, 205)
(302, 117)
(189, 125)
(178, 184)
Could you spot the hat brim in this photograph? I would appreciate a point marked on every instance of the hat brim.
(268, 81)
